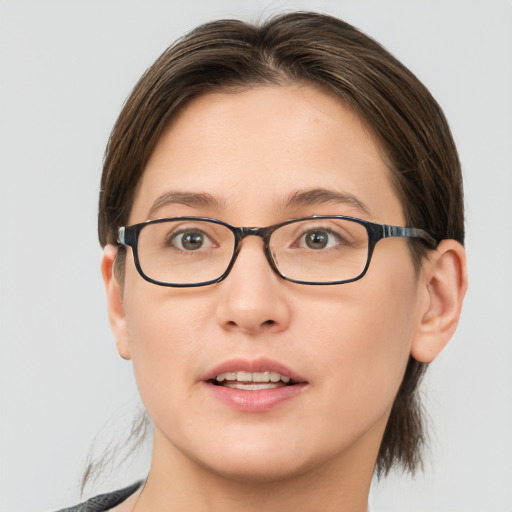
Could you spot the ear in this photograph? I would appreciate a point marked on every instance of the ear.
(444, 280)
(115, 304)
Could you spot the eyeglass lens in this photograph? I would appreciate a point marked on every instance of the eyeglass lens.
(196, 251)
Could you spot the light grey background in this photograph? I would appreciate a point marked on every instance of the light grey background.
(65, 68)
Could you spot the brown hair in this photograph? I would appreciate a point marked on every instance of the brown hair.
(316, 49)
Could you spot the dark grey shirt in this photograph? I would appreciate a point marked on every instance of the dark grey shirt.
(104, 501)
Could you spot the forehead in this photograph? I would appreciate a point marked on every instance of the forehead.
(251, 150)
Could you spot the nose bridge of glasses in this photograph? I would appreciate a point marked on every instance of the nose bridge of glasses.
(263, 233)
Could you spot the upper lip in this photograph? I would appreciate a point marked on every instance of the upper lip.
(261, 364)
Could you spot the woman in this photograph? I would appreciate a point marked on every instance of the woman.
(282, 217)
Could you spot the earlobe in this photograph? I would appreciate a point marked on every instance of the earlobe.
(445, 282)
(115, 304)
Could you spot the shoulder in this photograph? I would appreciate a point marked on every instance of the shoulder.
(104, 502)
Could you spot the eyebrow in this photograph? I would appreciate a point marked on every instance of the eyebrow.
(317, 196)
(191, 199)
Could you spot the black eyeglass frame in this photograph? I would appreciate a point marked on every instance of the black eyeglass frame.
(129, 236)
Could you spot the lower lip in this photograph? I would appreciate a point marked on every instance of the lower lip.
(255, 401)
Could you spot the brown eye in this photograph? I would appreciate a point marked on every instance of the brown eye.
(190, 240)
(316, 239)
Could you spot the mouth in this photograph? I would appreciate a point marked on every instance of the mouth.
(252, 381)
(254, 385)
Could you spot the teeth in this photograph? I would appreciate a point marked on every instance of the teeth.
(243, 377)
(251, 387)
(275, 377)
(261, 377)
(252, 377)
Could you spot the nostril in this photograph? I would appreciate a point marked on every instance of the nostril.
(269, 323)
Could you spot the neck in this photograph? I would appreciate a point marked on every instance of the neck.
(176, 482)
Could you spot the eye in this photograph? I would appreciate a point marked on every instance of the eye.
(318, 239)
(190, 240)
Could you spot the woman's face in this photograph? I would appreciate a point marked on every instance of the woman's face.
(240, 157)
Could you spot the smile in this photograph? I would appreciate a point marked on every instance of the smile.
(252, 381)
(256, 385)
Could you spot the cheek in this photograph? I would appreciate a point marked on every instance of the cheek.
(363, 344)
(165, 331)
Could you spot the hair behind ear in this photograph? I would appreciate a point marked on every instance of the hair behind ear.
(404, 438)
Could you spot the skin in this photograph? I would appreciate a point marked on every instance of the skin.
(249, 150)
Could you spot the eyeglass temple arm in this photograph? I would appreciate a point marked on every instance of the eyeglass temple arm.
(398, 231)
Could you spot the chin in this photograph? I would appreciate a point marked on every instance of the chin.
(262, 462)
(259, 472)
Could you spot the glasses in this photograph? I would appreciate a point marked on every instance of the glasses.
(319, 250)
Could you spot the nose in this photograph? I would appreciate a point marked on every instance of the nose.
(253, 297)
